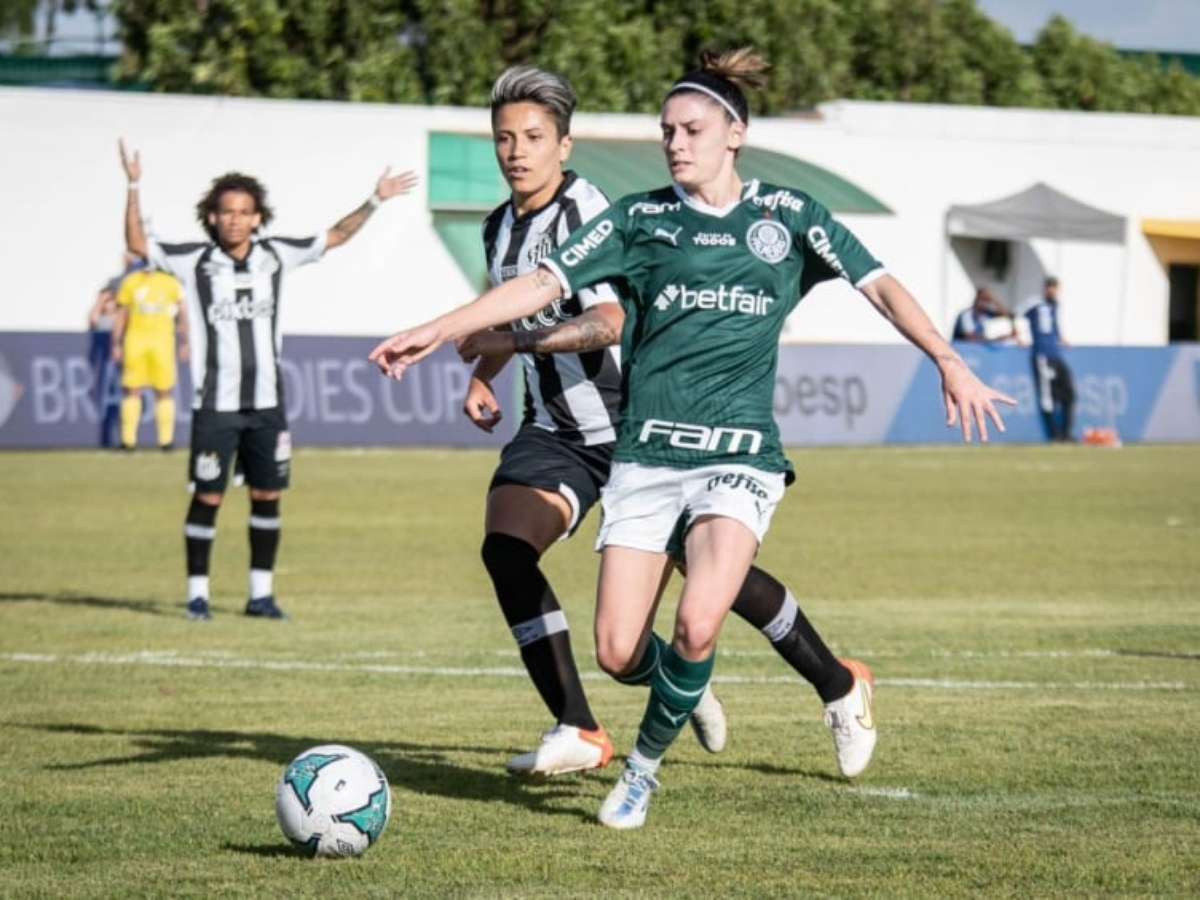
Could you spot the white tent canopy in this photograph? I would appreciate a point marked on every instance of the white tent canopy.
(1041, 212)
(1038, 211)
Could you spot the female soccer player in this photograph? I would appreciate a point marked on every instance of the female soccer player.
(713, 266)
(551, 473)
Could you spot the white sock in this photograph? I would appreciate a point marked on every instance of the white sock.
(635, 760)
(197, 587)
(262, 583)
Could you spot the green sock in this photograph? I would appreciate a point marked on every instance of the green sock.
(643, 673)
(675, 691)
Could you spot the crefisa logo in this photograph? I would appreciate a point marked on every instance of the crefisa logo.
(10, 391)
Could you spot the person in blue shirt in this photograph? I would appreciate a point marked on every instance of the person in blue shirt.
(973, 324)
(1051, 374)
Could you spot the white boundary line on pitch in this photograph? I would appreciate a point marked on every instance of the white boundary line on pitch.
(171, 659)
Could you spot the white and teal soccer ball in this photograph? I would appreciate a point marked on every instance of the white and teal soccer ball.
(333, 801)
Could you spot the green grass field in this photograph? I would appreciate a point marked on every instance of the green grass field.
(1032, 615)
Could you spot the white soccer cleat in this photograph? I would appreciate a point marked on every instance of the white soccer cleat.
(627, 803)
(852, 721)
(564, 749)
(708, 721)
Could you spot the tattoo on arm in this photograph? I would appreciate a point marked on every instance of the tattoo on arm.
(587, 332)
(347, 226)
(543, 279)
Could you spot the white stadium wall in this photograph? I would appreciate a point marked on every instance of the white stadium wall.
(64, 195)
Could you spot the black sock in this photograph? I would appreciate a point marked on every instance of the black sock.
(264, 544)
(769, 606)
(537, 622)
(199, 529)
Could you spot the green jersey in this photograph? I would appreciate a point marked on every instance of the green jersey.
(707, 292)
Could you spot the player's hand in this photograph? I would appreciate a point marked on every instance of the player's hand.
(118, 352)
(406, 348)
(390, 186)
(970, 402)
(485, 343)
(130, 162)
(481, 406)
(185, 352)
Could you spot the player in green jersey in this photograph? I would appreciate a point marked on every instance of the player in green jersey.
(712, 265)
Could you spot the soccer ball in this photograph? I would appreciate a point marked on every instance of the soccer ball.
(333, 801)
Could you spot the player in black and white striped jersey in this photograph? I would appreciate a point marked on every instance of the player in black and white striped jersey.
(575, 396)
(551, 472)
(233, 283)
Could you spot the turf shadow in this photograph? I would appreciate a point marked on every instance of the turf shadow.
(267, 851)
(762, 769)
(149, 607)
(421, 768)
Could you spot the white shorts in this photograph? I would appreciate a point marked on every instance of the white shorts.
(651, 507)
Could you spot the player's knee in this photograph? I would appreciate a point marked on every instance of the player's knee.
(696, 636)
(210, 499)
(616, 654)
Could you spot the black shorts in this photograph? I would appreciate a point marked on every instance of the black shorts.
(540, 459)
(259, 437)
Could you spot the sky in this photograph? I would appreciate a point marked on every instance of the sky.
(1131, 24)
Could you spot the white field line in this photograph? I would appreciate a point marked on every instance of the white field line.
(905, 654)
(886, 793)
(171, 659)
(1028, 802)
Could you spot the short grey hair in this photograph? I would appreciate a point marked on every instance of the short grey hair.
(529, 84)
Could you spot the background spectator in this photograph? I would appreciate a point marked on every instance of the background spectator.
(1052, 375)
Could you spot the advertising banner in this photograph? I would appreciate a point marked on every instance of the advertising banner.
(53, 395)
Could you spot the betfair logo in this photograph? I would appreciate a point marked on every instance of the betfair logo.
(578, 251)
(700, 437)
(736, 299)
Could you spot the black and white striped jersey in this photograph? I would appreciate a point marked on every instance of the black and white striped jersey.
(576, 395)
(233, 313)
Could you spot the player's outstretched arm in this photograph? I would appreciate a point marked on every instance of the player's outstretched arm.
(386, 188)
(594, 329)
(135, 234)
(969, 402)
(522, 296)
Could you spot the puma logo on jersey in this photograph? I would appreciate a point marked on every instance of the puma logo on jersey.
(671, 236)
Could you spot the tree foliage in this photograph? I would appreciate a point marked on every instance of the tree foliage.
(623, 54)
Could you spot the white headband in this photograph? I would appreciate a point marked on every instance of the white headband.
(694, 86)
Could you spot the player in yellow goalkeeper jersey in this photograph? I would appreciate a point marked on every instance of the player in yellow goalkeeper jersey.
(151, 311)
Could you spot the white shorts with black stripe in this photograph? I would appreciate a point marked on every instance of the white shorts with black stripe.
(652, 507)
